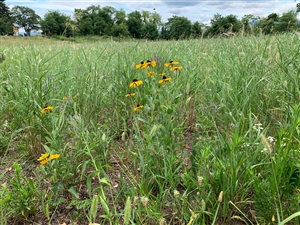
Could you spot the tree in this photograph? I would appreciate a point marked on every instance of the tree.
(156, 19)
(248, 18)
(178, 27)
(268, 24)
(95, 20)
(26, 18)
(273, 16)
(55, 23)
(120, 30)
(84, 22)
(149, 31)
(220, 25)
(249, 21)
(298, 7)
(164, 33)
(145, 16)
(5, 19)
(197, 29)
(120, 17)
(71, 25)
(106, 15)
(134, 23)
(287, 22)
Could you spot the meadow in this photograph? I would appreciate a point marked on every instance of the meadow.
(139, 132)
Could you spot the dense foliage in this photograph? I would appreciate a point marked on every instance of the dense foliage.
(108, 21)
(178, 28)
(220, 25)
(55, 23)
(5, 19)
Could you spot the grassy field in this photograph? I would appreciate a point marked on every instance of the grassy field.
(205, 132)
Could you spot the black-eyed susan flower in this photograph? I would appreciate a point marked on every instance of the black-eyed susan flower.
(145, 65)
(140, 65)
(135, 83)
(151, 74)
(150, 63)
(165, 80)
(171, 63)
(138, 107)
(46, 157)
(162, 74)
(174, 68)
(130, 94)
(46, 109)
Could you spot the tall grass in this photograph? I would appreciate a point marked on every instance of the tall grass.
(218, 144)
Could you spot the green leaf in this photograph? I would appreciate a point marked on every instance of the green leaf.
(59, 201)
(73, 192)
(169, 111)
(290, 218)
(94, 208)
(89, 183)
(127, 211)
(143, 119)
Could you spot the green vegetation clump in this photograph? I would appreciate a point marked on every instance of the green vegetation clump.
(178, 132)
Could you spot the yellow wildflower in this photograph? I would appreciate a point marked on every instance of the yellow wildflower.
(44, 162)
(176, 68)
(130, 94)
(54, 156)
(65, 98)
(150, 63)
(145, 65)
(162, 74)
(135, 83)
(150, 74)
(140, 65)
(43, 156)
(46, 157)
(165, 80)
(46, 109)
(171, 63)
(138, 107)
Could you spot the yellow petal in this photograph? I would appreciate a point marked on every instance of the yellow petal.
(54, 156)
(44, 162)
(43, 156)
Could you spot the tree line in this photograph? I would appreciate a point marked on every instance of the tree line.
(107, 21)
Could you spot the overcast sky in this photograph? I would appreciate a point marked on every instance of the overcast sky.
(195, 10)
